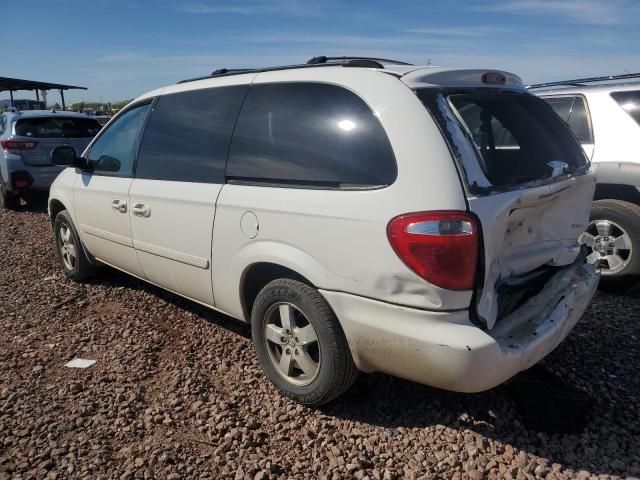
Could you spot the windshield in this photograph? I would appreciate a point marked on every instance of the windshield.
(504, 139)
(57, 127)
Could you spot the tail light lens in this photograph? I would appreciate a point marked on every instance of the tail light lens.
(15, 146)
(441, 247)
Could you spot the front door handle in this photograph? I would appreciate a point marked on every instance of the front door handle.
(141, 210)
(119, 205)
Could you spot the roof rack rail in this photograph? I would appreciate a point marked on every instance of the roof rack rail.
(354, 61)
(313, 63)
(224, 71)
(580, 81)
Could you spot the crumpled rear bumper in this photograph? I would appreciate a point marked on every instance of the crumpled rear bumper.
(445, 350)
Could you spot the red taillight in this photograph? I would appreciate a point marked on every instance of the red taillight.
(12, 144)
(441, 247)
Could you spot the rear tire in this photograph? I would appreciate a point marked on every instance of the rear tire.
(300, 344)
(615, 242)
(70, 250)
(8, 200)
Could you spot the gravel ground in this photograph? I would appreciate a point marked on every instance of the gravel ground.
(177, 393)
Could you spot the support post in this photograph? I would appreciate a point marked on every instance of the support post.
(64, 107)
(37, 95)
(11, 97)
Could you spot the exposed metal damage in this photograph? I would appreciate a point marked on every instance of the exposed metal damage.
(551, 305)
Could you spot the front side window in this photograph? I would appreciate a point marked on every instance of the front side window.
(57, 127)
(188, 134)
(630, 103)
(310, 134)
(561, 105)
(579, 121)
(114, 150)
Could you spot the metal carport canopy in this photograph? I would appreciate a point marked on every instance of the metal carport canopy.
(15, 84)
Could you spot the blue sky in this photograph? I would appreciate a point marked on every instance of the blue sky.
(120, 49)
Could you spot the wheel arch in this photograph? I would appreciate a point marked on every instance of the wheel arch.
(626, 193)
(55, 207)
(617, 181)
(257, 275)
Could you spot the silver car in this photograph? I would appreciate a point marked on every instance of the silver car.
(27, 139)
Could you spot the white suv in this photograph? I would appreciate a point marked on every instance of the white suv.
(605, 119)
(363, 215)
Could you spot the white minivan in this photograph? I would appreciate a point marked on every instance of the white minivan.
(362, 214)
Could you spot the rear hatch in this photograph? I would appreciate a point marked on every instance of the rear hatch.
(42, 134)
(526, 179)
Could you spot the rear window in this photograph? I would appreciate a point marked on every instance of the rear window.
(57, 127)
(517, 138)
(630, 102)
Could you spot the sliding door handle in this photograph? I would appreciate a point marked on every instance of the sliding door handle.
(141, 210)
(119, 205)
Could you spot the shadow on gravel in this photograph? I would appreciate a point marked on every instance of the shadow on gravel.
(592, 396)
(111, 277)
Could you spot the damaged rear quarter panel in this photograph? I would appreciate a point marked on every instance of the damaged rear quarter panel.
(526, 229)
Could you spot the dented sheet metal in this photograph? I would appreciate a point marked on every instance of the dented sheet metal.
(571, 287)
(526, 229)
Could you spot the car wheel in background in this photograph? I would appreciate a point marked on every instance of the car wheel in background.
(613, 240)
(8, 200)
(300, 344)
(69, 250)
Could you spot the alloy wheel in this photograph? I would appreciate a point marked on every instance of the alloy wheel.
(67, 247)
(292, 343)
(610, 246)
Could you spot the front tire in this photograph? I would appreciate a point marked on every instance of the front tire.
(300, 344)
(69, 249)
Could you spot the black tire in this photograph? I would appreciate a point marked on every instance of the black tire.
(627, 216)
(8, 200)
(81, 268)
(336, 370)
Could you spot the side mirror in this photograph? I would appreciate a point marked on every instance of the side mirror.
(64, 157)
(107, 163)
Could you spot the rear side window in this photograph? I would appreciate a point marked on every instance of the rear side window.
(573, 110)
(57, 127)
(310, 134)
(630, 102)
(187, 137)
(517, 137)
